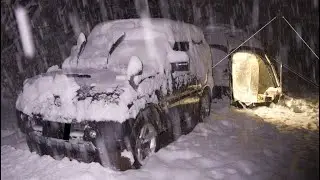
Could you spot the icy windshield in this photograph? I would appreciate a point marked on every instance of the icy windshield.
(147, 51)
(114, 48)
(113, 43)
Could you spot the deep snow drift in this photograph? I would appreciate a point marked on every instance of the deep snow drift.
(231, 144)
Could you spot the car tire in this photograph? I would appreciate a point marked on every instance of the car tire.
(145, 136)
(32, 147)
(205, 105)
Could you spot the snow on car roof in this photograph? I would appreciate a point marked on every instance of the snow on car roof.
(104, 35)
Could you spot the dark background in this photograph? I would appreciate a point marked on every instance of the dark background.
(56, 25)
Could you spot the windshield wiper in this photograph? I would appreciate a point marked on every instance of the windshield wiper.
(81, 50)
(115, 45)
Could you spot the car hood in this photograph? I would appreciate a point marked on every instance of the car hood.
(101, 79)
(86, 95)
(65, 95)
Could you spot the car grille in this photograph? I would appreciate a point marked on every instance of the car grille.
(56, 130)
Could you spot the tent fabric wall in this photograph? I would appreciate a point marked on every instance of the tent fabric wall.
(245, 78)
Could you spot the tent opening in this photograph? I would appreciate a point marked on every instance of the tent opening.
(251, 77)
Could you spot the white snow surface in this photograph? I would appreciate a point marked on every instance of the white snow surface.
(299, 113)
(231, 144)
(25, 31)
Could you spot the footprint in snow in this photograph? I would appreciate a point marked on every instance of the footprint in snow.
(231, 171)
(223, 154)
(217, 175)
(267, 152)
(246, 166)
(203, 162)
(226, 123)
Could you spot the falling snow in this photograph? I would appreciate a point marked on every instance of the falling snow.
(280, 141)
(25, 32)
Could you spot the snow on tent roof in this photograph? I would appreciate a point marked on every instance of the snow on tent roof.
(235, 35)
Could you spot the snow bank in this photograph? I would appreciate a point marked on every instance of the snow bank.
(299, 113)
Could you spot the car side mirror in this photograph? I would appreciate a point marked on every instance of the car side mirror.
(179, 61)
(81, 43)
(179, 66)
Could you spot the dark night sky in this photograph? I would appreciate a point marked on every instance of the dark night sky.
(54, 35)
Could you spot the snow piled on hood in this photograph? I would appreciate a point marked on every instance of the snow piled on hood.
(39, 92)
(55, 97)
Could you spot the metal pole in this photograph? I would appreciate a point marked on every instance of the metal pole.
(281, 77)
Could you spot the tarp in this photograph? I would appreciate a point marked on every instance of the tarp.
(245, 77)
(252, 78)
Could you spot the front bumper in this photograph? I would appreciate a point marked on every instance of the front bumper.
(55, 139)
(59, 148)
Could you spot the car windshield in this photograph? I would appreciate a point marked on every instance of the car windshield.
(116, 48)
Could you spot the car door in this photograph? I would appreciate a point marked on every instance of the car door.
(182, 77)
(184, 82)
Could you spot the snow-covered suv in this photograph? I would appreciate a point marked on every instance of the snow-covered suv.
(124, 92)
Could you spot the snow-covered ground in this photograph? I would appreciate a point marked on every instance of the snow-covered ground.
(231, 144)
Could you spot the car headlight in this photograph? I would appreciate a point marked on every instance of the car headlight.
(57, 101)
(92, 133)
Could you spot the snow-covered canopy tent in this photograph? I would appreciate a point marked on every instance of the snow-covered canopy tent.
(247, 71)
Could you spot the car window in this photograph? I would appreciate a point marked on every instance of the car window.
(181, 46)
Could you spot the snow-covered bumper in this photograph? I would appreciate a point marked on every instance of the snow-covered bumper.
(80, 141)
(59, 148)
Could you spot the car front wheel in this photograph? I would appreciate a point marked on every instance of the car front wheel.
(146, 143)
(205, 105)
(145, 138)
